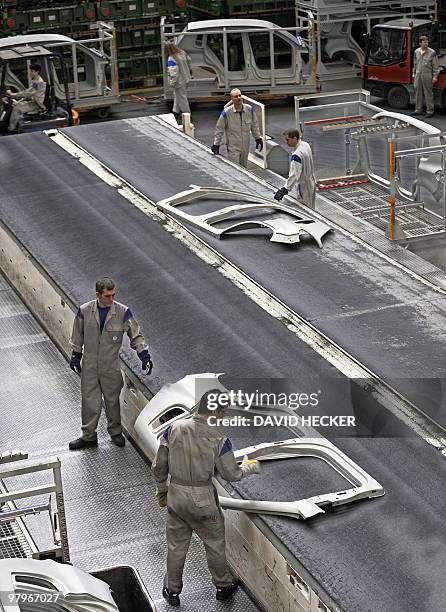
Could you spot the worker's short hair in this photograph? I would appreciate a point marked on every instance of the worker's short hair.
(424, 37)
(234, 90)
(36, 67)
(105, 284)
(209, 402)
(292, 133)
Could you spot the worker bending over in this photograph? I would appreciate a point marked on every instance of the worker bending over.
(28, 100)
(191, 451)
(301, 172)
(236, 122)
(98, 331)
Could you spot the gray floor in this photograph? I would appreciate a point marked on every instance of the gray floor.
(112, 516)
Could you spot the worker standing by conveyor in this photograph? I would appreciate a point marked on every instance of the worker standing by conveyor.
(179, 73)
(97, 335)
(31, 99)
(191, 450)
(425, 73)
(301, 172)
(236, 122)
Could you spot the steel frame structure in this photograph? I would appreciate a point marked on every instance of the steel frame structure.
(20, 468)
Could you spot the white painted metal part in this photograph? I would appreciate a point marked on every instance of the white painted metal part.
(178, 400)
(38, 581)
(365, 487)
(285, 222)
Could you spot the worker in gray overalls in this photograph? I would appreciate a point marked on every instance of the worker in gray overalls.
(301, 173)
(236, 122)
(179, 73)
(425, 74)
(28, 100)
(97, 336)
(191, 451)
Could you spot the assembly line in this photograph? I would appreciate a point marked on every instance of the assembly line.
(222, 327)
(74, 225)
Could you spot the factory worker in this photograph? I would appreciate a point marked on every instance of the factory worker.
(28, 100)
(191, 451)
(301, 172)
(97, 336)
(179, 73)
(425, 74)
(236, 123)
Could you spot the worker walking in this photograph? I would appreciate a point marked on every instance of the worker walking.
(97, 335)
(237, 122)
(425, 74)
(191, 451)
(301, 172)
(179, 73)
(28, 100)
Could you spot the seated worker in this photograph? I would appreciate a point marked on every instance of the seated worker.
(30, 99)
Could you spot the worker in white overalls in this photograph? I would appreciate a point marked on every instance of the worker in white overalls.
(191, 451)
(301, 172)
(28, 100)
(236, 122)
(179, 73)
(425, 74)
(97, 336)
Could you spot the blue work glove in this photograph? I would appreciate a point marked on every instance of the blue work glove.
(259, 144)
(146, 361)
(280, 193)
(215, 149)
(75, 362)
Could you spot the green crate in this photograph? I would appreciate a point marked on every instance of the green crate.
(84, 13)
(215, 8)
(12, 22)
(118, 9)
(153, 7)
(240, 7)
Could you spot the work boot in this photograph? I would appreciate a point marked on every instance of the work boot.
(81, 443)
(415, 113)
(429, 115)
(173, 599)
(119, 440)
(225, 593)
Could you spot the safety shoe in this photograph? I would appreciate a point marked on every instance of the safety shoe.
(415, 113)
(173, 599)
(225, 593)
(119, 440)
(81, 443)
(429, 115)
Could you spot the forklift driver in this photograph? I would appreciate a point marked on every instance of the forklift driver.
(31, 99)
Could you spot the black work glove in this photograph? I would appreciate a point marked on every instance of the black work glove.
(280, 193)
(146, 362)
(215, 149)
(259, 144)
(75, 362)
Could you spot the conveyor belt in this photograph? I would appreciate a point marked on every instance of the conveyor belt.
(387, 320)
(112, 515)
(385, 555)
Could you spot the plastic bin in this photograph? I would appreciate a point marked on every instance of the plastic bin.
(128, 589)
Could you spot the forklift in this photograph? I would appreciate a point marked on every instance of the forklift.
(15, 59)
(388, 66)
